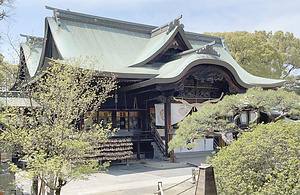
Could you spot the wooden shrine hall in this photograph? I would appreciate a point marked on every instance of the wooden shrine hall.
(153, 66)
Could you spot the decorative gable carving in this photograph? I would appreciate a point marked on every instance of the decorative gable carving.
(57, 17)
(177, 45)
(173, 24)
(204, 82)
(167, 28)
(208, 49)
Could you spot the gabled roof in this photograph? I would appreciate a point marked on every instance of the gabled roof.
(151, 54)
(162, 39)
(31, 50)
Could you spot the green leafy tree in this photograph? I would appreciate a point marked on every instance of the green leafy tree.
(264, 161)
(46, 134)
(263, 53)
(7, 74)
(222, 117)
(293, 84)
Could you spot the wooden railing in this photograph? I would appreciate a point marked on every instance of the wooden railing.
(216, 143)
(159, 141)
(160, 190)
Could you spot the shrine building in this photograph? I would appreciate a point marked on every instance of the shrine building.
(153, 65)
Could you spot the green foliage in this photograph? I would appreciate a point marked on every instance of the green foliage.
(221, 118)
(198, 125)
(47, 136)
(293, 84)
(264, 161)
(268, 100)
(7, 74)
(263, 53)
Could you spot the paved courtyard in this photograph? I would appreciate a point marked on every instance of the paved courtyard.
(138, 178)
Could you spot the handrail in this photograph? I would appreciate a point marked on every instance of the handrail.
(160, 189)
(178, 183)
(185, 190)
(216, 143)
(158, 140)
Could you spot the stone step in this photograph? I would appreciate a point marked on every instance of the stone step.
(157, 153)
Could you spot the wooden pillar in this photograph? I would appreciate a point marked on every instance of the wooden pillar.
(138, 155)
(221, 142)
(144, 120)
(114, 118)
(167, 108)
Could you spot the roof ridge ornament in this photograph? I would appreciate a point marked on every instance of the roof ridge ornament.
(174, 23)
(169, 27)
(224, 44)
(56, 16)
(32, 41)
(208, 49)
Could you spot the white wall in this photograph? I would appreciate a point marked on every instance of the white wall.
(203, 145)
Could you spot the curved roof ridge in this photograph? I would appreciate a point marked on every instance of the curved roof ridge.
(174, 70)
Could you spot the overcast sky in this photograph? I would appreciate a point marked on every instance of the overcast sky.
(198, 15)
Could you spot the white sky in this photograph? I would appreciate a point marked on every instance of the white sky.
(198, 15)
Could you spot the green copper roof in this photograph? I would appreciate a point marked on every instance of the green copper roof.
(127, 49)
(174, 70)
(116, 48)
(32, 50)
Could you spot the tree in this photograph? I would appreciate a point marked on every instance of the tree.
(7, 74)
(7, 71)
(264, 161)
(293, 84)
(47, 135)
(6, 6)
(263, 53)
(222, 117)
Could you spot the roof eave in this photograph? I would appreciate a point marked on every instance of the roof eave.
(157, 80)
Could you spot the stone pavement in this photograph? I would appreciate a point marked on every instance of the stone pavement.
(194, 158)
(139, 177)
